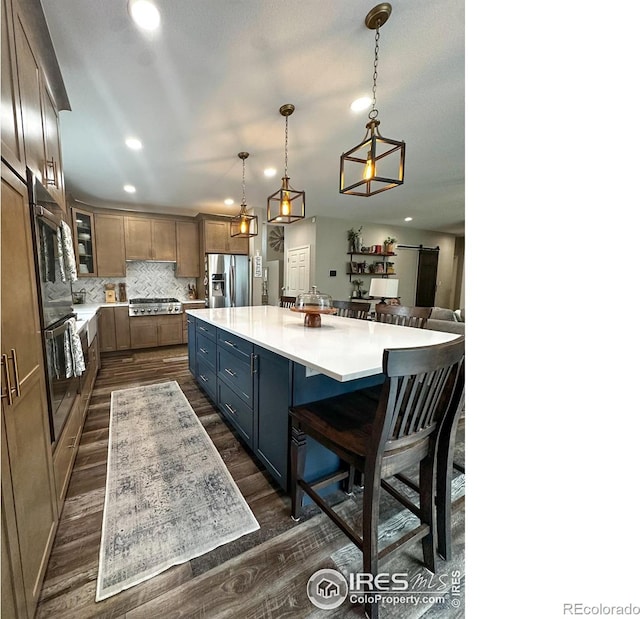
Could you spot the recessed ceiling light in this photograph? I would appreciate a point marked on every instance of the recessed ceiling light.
(228, 201)
(133, 143)
(269, 172)
(129, 188)
(145, 14)
(360, 104)
(408, 218)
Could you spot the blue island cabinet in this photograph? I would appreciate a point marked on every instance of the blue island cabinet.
(205, 348)
(253, 389)
(191, 343)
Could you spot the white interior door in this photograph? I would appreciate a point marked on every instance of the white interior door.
(297, 275)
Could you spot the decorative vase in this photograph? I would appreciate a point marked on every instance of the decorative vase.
(357, 244)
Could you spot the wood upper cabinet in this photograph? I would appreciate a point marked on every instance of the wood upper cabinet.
(163, 240)
(238, 245)
(28, 491)
(85, 242)
(150, 239)
(217, 238)
(110, 253)
(216, 234)
(54, 180)
(39, 114)
(187, 249)
(29, 83)
(137, 239)
(12, 138)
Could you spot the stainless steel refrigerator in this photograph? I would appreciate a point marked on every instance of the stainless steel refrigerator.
(228, 280)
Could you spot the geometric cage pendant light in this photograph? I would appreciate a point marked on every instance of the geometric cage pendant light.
(286, 205)
(377, 163)
(243, 225)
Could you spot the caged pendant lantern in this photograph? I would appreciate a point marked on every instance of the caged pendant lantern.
(243, 225)
(377, 163)
(286, 205)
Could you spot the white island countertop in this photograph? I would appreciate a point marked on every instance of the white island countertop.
(342, 348)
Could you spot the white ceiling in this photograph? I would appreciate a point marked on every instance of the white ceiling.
(210, 85)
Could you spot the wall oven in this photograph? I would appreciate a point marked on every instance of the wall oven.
(56, 307)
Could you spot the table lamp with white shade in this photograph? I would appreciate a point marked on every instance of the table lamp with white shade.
(383, 289)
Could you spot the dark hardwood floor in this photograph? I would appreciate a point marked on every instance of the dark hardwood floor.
(261, 575)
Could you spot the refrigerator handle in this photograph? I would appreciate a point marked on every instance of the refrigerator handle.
(232, 280)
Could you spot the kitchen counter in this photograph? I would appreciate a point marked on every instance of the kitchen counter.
(344, 349)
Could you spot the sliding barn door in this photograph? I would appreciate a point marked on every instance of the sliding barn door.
(427, 277)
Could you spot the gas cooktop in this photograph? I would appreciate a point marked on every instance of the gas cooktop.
(154, 305)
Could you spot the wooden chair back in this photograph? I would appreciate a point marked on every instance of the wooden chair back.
(352, 309)
(287, 301)
(403, 315)
(422, 386)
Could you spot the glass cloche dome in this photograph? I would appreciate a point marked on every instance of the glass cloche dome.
(313, 300)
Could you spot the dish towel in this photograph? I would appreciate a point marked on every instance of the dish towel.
(66, 255)
(74, 359)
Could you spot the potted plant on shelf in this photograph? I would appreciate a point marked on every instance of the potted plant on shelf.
(389, 245)
(355, 240)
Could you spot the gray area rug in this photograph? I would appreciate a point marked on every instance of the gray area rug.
(169, 496)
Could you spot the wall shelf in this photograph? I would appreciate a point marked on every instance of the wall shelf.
(383, 256)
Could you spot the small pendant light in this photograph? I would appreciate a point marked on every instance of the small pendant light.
(243, 225)
(377, 163)
(286, 205)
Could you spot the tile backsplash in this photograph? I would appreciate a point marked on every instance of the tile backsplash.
(143, 279)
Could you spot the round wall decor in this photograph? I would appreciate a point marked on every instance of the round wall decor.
(276, 238)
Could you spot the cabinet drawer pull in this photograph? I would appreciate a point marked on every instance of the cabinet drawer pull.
(228, 343)
(5, 369)
(230, 372)
(204, 378)
(202, 329)
(51, 180)
(230, 408)
(14, 360)
(254, 357)
(203, 351)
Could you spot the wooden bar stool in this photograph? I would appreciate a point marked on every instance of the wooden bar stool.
(382, 438)
(403, 315)
(352, 309)
(287, 301)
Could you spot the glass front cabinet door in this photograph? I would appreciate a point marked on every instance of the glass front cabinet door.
(85, 243)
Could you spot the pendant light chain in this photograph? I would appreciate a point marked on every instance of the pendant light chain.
(286, 144)
(244, 203)
(374, 112)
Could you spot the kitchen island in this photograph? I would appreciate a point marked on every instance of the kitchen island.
(255, 362)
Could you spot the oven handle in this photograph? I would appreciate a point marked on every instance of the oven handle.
(48, 218)
(51, 334)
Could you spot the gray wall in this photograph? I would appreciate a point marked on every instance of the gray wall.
(328, 240)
